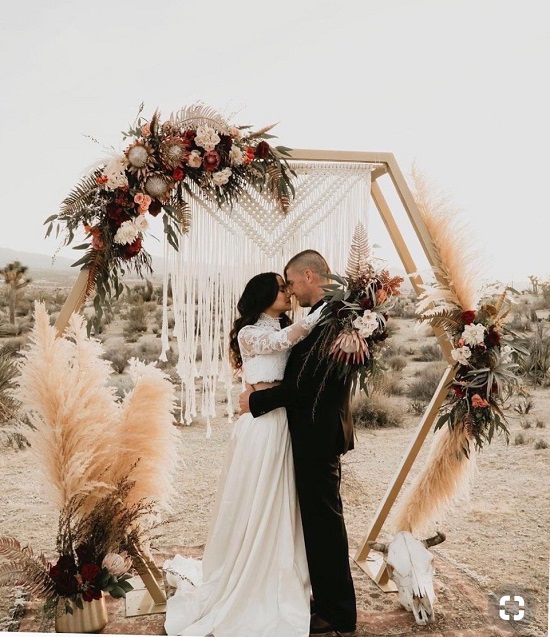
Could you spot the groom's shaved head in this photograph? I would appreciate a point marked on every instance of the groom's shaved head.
(308, 260)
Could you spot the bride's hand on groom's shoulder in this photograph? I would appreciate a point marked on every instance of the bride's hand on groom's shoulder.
(243, 399)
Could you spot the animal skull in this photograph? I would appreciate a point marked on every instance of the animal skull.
(410, 566)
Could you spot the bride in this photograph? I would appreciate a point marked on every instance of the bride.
(253, 580)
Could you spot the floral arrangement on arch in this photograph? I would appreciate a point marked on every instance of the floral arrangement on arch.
(195, 152)
(355, 316)
(475, 322)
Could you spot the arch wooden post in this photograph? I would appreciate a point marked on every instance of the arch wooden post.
(138, 602)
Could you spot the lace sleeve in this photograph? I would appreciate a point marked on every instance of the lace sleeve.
(255, 340)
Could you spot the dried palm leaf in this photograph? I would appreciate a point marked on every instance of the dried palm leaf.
(198, 114)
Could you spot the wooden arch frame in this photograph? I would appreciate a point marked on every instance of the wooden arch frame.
(373, 565)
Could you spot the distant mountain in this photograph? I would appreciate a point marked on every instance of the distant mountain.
(43, 266)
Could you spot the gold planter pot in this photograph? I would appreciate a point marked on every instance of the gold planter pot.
(90, 619)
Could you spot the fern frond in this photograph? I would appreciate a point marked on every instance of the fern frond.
(197, 114)
(23, 568)
(81, 197)
(359, 255)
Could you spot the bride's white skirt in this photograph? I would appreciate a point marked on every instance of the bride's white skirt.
(253, 580)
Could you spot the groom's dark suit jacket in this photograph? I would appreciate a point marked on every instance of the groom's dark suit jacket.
(317, 404)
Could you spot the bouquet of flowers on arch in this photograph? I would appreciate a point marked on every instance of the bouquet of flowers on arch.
(474, 316)
(355, 315)
(194, 153)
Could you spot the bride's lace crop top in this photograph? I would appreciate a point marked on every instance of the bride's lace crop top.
(265, 347)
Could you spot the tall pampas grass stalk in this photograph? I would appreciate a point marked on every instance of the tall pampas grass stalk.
(149, 443)
(63, 388)
(444, 481)
(458, 263)
(85, 440)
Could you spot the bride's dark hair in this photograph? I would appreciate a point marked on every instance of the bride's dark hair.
(258, 294)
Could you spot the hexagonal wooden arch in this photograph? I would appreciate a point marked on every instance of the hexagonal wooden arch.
(373, 565)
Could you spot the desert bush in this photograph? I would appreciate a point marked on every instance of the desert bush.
(525, 424)
(428, 353)
(423, 387)
(376, 410)
(524, 405)
(13, 345)
(541, 444)
(534, 361)
(119, 357)
(137, 322)
(540, 424)
(417, 407)
(389, 383)
(397, 362)
(148, 351)
(519, 439)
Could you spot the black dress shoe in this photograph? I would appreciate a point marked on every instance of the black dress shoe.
(319, 626)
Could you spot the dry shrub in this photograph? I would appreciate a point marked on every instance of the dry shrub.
(429, 353)
(541, 444)
(397, 362)
(426, 382)
(376, 410)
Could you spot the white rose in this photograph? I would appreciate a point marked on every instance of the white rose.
(366, 324)
(221, 177)
(461, 354)
(473, 334)
(115, 172)
(194, 160)
(236, 155)
(206, 137)
(127, 233)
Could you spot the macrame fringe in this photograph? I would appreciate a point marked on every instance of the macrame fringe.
(226, 247)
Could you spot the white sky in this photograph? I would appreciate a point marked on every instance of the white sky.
(460, 88)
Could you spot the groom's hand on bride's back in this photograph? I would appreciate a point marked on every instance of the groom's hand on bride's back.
(243, 399)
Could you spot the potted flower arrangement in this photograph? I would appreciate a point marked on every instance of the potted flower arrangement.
(107, 468)
(355, 314)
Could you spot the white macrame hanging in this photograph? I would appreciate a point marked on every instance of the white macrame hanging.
(227, 246)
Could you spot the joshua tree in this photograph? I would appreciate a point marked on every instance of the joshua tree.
(534, 283)
(15, 279)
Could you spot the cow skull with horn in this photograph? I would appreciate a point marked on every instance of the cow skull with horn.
(410, 566)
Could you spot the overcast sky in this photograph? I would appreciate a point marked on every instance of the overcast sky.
(460, 88)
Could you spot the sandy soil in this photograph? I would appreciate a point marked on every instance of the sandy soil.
(500, 537)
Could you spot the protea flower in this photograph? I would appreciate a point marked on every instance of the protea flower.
(140, 157)
(158, 186)
(173, 152)
(350, 346)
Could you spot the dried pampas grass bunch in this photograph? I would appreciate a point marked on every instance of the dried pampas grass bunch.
(85, 440)
(458, 263)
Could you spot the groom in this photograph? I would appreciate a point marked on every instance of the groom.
(321, 429)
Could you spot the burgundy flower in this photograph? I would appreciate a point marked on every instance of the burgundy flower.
(459, 391)
(122, 197)
(366, 303)
(211, 160)
(155, 207)
(66, 563)
(89, 572)
(188, 138)
(91, 593)
(492, 337)
(178, 174)
(468, 316)
(225, 143)
(116, 214)
(262, 150)
(130, 250)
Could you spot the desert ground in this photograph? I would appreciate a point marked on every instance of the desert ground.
(499, 536)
